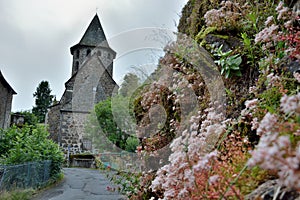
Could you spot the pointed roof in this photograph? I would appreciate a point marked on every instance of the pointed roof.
(5, 83)
(93, 36)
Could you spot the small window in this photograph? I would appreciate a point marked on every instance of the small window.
(77, 53)
(99, 53)
(108, 56)
(88, 52)
(76, 65)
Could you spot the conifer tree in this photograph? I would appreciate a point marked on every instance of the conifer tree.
(43, 99)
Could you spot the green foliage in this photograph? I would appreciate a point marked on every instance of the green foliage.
(107, 125)
(95, 134)
(229, 64)
(17, 195)
(250, 50)
(270, 99)
(43, 99)
(204, 32)
(129, 182)
(253, 19)
(27, 144)
(29, 117)
(131, 144)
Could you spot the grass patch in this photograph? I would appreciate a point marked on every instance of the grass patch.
(17, 195)
(28, 194)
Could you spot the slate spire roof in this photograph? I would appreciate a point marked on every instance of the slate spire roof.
(93, 36)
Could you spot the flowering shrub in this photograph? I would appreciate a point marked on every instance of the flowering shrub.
(227, 17)
(210, 155)
(281, 30)
(275, 150)
(192, 155)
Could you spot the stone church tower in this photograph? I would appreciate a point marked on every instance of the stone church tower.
(91, 81)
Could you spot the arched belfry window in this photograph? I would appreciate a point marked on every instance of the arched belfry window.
(76, 65)
(88, 52)
(77, 54)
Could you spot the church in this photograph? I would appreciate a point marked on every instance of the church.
(91, 81)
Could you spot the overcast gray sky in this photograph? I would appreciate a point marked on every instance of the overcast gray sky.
(36, 36)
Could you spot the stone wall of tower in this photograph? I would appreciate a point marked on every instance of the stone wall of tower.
(53, 121)
(80, 54)
(72, 131)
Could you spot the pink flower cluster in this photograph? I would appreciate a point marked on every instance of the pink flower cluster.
(225, 17)
(274, 150)
(273, 80)
(250, 106)
(280, 30)
(193, 152)
(267, 35)
(283, 12)
(290, 104)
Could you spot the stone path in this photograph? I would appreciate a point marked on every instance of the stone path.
(83, 184)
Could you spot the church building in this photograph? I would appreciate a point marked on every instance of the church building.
(91, 81)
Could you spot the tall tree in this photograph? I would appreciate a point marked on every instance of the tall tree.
(43, 99)
(129, 85)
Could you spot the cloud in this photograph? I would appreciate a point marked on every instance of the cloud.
(36, 36)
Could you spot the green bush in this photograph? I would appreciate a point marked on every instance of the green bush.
(28, 144)
(29, 117)
(131, 144)
(108, 125)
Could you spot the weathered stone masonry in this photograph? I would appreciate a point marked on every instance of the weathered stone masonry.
(6, 96)
(91, 82)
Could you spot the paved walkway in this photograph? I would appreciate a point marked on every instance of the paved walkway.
(83, 184)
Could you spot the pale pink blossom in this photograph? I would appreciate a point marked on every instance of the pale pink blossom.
(192, 152)
(280, 6)
(283, 13)
(269, 21)
(225, 17)
(288, 24)
(254, 123)
(213, 179)
(251, 104)
(268, 34)
(252, 89)
(289, 104)
(273, 80)
(275, 152)
(297, 76)
(267, 124)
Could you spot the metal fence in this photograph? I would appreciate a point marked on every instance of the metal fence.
(27, 175)
(120, 161)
